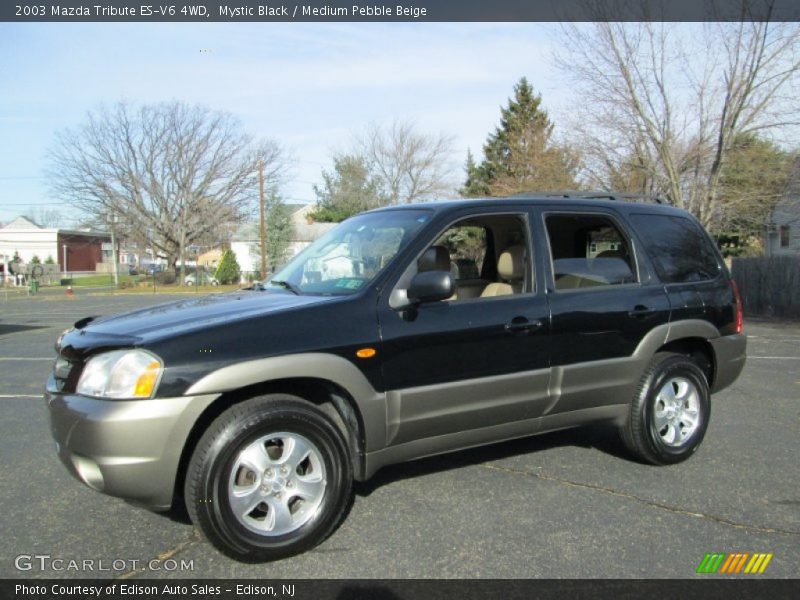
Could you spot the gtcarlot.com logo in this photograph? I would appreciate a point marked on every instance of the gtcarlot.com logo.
(735, 563)
(46, 562)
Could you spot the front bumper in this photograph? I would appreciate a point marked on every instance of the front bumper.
(125, 448)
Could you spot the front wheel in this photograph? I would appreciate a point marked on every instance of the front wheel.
(669, 412)
(271, 477)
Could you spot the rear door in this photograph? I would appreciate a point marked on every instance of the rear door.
(603, 301)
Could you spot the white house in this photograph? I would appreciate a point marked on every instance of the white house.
(782, 235)
(246, 240)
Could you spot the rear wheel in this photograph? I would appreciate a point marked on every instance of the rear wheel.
(271, 477)
(669, 413)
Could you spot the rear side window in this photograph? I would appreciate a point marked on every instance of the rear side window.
(679, 249)
(588, 251)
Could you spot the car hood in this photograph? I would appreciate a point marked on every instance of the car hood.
(183, 316)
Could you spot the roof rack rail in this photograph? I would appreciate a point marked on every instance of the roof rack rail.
(593, 195)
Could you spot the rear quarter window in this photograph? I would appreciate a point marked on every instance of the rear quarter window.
(678, 247)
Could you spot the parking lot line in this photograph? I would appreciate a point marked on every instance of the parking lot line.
(777, 357)
(11, 396)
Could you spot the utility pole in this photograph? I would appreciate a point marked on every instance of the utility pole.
(114, 250)
(262, 224)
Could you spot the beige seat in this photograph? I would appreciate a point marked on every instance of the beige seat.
(511, 270)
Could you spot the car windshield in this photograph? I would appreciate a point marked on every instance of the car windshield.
(348, 257)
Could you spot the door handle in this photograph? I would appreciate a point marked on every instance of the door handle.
(521, 324)
(640, 310)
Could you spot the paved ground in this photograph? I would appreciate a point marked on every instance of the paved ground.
(561, 505)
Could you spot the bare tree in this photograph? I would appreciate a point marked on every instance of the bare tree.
(167, 173)
(409, 165)
(660, 104)
(49, 218)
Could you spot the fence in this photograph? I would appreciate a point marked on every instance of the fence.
(770, 285)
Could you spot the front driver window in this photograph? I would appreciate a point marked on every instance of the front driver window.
(487, 255)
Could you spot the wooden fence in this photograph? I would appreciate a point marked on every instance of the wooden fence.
(770, 285)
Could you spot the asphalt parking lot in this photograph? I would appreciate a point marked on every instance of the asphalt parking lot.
(568, 504)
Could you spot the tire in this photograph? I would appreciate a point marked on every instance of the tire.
(270, 477)
(669, 413)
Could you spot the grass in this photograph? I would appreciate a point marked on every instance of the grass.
(173, 289)
(99, 280)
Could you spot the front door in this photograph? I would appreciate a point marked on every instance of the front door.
(479, 359)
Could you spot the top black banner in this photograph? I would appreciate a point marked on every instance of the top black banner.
(399, 10)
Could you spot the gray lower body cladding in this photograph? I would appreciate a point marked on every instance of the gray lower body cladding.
(730, 354)
(129, 449)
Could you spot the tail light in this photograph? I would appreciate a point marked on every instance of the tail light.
(737, 297)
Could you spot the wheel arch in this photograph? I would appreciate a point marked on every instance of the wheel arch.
(328, 381)
(699, 350)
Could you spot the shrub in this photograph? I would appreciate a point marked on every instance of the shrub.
(167, 277)
(228, 269)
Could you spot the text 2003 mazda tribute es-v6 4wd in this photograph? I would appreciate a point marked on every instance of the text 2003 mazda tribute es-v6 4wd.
(403, 332)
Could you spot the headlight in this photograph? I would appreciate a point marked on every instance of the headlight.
(126, 374)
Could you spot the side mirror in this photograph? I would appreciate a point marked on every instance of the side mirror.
(431, 286)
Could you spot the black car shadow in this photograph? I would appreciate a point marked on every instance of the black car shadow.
(15, 328)
(598, 437)
(603, 438)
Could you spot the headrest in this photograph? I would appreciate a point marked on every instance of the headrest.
(511, 264)
(610, 254)
(435, 258)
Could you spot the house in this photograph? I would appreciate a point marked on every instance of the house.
(209, 259)
(72, 250)
(245, 242)
(782, 234)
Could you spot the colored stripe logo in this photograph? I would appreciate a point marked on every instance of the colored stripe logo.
(735, 563)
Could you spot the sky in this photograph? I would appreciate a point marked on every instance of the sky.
(309, 86)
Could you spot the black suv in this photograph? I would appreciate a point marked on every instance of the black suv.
(403, 332)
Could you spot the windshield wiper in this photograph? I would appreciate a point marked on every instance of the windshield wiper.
(287, 286)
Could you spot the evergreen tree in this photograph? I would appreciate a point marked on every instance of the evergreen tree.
(228, 268)
(35, 260)
(752, 181)
(475, 186)
(279, 232)
(521, 154)
(349, 190)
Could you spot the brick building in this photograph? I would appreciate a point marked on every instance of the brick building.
(82, 250)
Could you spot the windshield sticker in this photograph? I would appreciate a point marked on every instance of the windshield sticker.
(350, 284)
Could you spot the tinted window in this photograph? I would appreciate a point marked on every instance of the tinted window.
(679, 249)
(588, 251)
